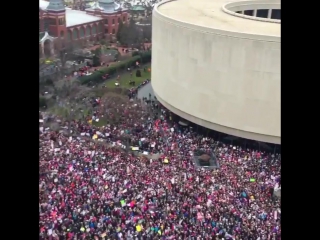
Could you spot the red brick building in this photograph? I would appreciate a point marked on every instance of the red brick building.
(60, 26)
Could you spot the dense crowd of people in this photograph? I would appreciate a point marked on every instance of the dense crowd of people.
(92, 186)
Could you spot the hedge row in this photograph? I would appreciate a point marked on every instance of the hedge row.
(42, 102)
(96, 77)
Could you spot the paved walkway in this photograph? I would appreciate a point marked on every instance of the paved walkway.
(144, 91)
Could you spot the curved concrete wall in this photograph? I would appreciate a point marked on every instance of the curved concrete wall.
(226, 81)
(251, 5)
(234, 7)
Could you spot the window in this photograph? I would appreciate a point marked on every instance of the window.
(94, 29)
(75, 34)
(61, 21)
(81, 32)
(118, 20)
(276, 14)
(106, 21)
(46, 24)
(69, 34)
(113, 31)
(88, 31)
(248, 12)
(112, 21)
(262, 13)
(124, 19)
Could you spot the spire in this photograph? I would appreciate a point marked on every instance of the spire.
(106, 1)
(56, 5)
(108, 5)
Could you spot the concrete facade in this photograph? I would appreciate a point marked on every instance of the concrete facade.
(224, 76)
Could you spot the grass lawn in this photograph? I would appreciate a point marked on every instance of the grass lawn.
(102, 122)
(125, 78)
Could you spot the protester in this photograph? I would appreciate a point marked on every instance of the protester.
(92, 187)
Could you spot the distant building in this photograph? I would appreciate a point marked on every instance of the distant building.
(111, 12)
(69, 27)
(138, 9)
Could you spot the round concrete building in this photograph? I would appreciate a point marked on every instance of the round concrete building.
(217, 64)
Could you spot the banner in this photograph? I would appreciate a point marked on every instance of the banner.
(277, 191)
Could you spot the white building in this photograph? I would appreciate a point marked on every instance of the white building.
(217, 64)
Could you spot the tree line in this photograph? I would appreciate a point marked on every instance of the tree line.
(131, 35)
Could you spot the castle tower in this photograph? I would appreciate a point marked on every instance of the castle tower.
(56, 13)
(107, 4)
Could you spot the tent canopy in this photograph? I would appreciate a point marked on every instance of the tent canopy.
(204, 157)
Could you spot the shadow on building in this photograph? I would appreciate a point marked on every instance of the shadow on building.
(223, 138)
